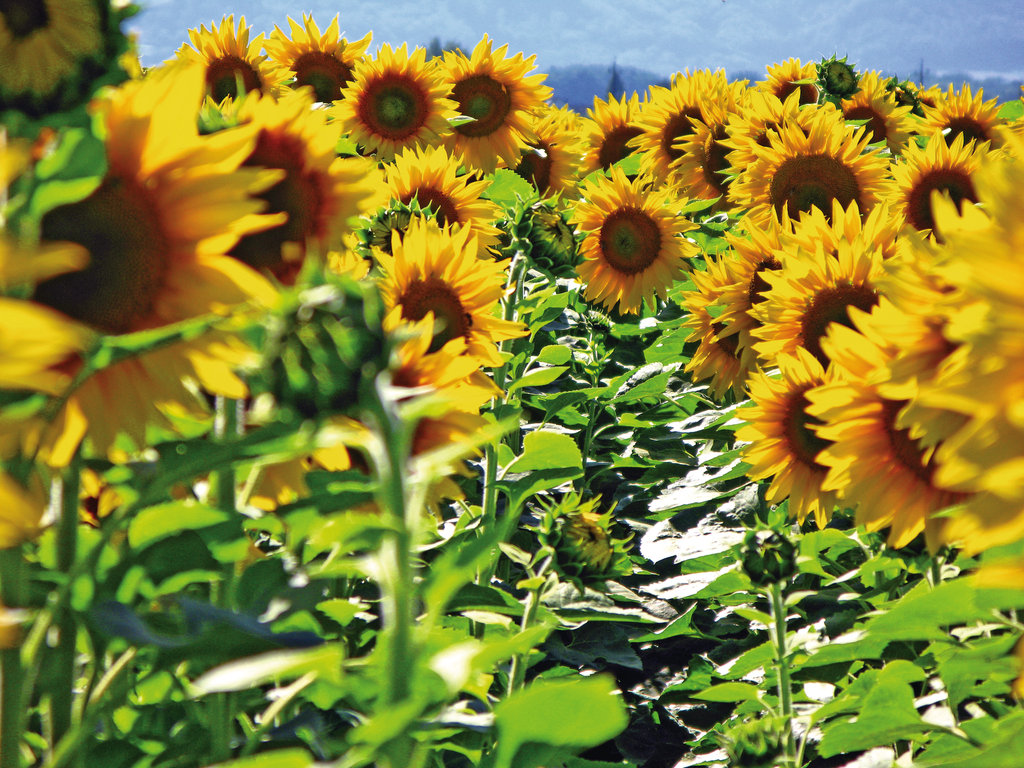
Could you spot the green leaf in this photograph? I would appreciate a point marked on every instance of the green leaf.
(1012, 110)
(163, 520)
(730, 692)
(281, 758)
(547, 450)
(554, 354)
(538, 377)
(325, 661)
(578, 713)
(508, 188)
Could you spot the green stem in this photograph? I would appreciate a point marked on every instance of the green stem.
(782, 668)
(11, 670)
(62, 661)
(517, 669)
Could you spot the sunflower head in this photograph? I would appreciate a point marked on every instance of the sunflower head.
(586, 549)
(378, 231)
(837, 78)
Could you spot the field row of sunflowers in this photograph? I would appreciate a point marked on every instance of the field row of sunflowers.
(365, 408)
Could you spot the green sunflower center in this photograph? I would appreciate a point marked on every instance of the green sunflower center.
(808, 181)
(832, 305)
(484, 99)
(956, 182)
(224, 74)
(630, 240)
(802, 441)
(435, 295)
(325, 74)
(394, 107)
(300, 194)
(23, 17)
(615, 145)
(128, 255)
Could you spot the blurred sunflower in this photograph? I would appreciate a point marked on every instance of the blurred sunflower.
(44, 47)
(21, 510)
(885, 121)
(878, 229)
(323, 61)
(872, 463)
(230, 58)
(157, 229)
(962, 114)
(438, 271)
(782, 440)
(813, 291)
(499, 93)
(611, 126)
(318, 192)
(633, 251)
(430, 178)
(552, 161)
(667, 119)
(718, 355)
(785, 78)
(812, 166)
(396, 101)
(946, 168)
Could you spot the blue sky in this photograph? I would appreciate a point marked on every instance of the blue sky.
(664, 36)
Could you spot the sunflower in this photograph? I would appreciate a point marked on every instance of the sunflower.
(811, 166)
(324, 61)
(963, 114)
(718, 355)
(872, 463)
(885, 121)
(937, 168)
(611, 126)
(552, 161)
(230, 58)
(633, 250)
(747, 128)
(157, 229)
(394, 102)
(784, 79)
(782, 440)
(21, 510)
(879, 229)
(499, 94)
(813, 291)
(438, 271)
(45, 47)
(667, 119)
(430, 178)
(318, 193)
(700, 171)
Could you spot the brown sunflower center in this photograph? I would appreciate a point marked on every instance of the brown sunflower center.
(832, 305)
(802, 440)
(967, 127)
(484, 99)
(23, 17)
(325, 74)
(809, 181)
(394, 106)
(679, 127)
(758, 286)
(224, 74)
(714, 164)
(808, 91)
(630, 241)
(875, 127)
(300, 194)
(435, 295)
(438, 201)
(128, 255)
(954, 181)
(906, 450)
(535, 166)
(614, 145)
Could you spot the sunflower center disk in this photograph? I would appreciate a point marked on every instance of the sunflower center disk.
(435, 295)
(676, 130)
(438, 202)
(325, 74)
(876, 129)
(803, 442)
(224, 74)
(952, 181)
(967, 127)
(906, 450)
(128, 255)
(614, 148)
(630, 241)
(832, 305)
(812, 180)
(23, 17)
(758, 286)
(484, 99)
(535, 167)
(393, 108)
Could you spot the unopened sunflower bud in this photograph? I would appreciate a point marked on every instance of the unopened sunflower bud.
(586, 549)
(768, 557)
(837, 78)
(755, 743)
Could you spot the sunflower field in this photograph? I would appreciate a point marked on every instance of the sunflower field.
(360, 407)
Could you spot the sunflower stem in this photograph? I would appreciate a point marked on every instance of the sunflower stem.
(517, 669)
(11, 670)
(782, 669)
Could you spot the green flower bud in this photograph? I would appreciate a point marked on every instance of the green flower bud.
(586, 550)
(754, 743)
(768, 557)
(837, 78)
